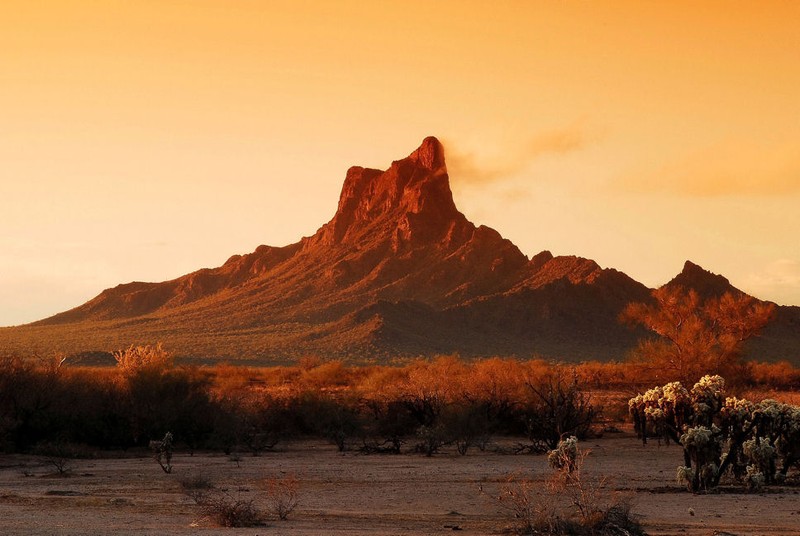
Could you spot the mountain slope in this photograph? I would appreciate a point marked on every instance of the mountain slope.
(398, 271)
(780, 339)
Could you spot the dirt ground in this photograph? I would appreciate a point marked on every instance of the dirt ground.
(353, 494)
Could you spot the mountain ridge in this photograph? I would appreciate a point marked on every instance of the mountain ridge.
(398, 271)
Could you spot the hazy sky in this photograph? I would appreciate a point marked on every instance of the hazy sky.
(144, 139)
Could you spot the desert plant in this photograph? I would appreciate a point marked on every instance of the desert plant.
(696, 336)
(162, 452)
(568, 503)
(533, 511)
(282, 495)
(228, 511)
(28, 396)
(705, 423)
(195, 481)
(558, 407)
(467, 425)
(60, 454)
(431, 439)
(387, 425)
(137, 358)
(565, 456)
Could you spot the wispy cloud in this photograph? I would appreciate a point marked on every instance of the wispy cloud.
(733, 168)
(779, 279)
(476, 168)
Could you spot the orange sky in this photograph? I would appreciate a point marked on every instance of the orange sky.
(141, 140)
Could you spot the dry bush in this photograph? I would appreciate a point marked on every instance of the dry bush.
(228, 511)
(558, 406)
(60, 454)
(138, 358)
(568, 503)
(162, 452)
(325, 375)
(196, 481)
(532, 505)
(282, 495)
(781, 375)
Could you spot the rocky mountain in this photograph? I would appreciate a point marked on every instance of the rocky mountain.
(780, 339)
(398, 271)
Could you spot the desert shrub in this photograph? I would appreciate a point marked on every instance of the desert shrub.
(569, 502)
(177, 400)
(265, 421)
(196, 481)
(466, 425)
(387, 425)
(431, 439)
(557, 407)
(60, 454)
(29, 394)
(534, 512)
(333, 416)
(425, 393)
(282, 496)
(93, 409)
(135, 359)
(325, 375)
(162, 452)
(782, 375)
(498, 386)
(228, 511)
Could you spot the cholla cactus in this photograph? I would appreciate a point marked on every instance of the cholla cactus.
(676, 394)
(703, 447)
(738, 409)
(705, 422)
(565, 455)
(661, 411)
(787, 443)
(685, 475)
(736, 422)
(754, 478)
(697, 437)
(707, 398)
(762, 456)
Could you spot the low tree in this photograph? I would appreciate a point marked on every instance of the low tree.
(696, 336)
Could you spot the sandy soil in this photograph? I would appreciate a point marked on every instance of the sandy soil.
(352, 494)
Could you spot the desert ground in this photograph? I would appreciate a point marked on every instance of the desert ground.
(355, 494)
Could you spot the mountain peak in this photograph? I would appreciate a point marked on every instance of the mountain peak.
(414, 193)
(694, 276)
(430, 154)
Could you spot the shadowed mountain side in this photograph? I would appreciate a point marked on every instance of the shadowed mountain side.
(398, 271)
(705, 283)
(780, 339)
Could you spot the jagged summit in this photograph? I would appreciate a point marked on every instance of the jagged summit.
(430, 155)
(704, 282)
(414, 193)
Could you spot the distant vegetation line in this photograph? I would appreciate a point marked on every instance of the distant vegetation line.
(423, 406)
